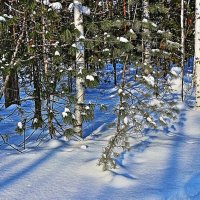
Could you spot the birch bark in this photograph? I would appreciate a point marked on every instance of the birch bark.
(147, 47)
(197, 53)
(182, 48)
(80, 65)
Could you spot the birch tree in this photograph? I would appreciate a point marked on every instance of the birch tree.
(80, 65)
(197, 52)
(182, 47)
(146, 16)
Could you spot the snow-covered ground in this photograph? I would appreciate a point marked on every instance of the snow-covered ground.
(162, 165)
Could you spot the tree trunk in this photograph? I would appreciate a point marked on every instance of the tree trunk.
(11, 93)
(80, 65)
(115, 71)
(147, 46)
(197, 53)
(121, 95)
(124, 8)
(10, 86)
(182, 48)
(37, 93)
(46, 78)
(69, 81)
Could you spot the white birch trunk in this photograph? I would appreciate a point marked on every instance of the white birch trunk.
(147, 46)
(80, 65)
(197, 53)
(182, 48)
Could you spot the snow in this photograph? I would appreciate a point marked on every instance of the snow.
(82, 37)
(67, 110)
(120, 91)
(158, 166)
(2, 19)
(56, 43)
(3, 58)
(151, 121)
(74, 45)
(90, 77)
(73, 116)
(87, 108)
(172, 43)
(64, 114)
(94, 74)
(131, 30)
(160, 31)
(83, 113)
(70, 7)
(35, 121)
(145, 20)
(149, 79)
(85, 10)
(126, 120)
(153, 24)
(122, 108)
(122, 39)
(8, 16)
(162, 120)
(46, 2)
(84, 146)
(57, 53)
(20, 125)
(104, 50)
(56, 6)
(161, 164)
(155, 50)
(100, 3)
(175, 71)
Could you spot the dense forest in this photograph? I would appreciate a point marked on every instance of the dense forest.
(53, 53)
(99, 100)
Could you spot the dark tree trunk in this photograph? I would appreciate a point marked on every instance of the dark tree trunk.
(115, 71)
(11, 92)
(70, 82)
(37, 93)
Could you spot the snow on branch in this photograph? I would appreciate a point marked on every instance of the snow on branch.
(83, 9)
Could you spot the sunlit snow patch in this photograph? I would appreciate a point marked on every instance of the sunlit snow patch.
(2, 19)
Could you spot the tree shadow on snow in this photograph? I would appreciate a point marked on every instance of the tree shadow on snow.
(182, 163)
(172, 176)
(27, 169)
(192, 187)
